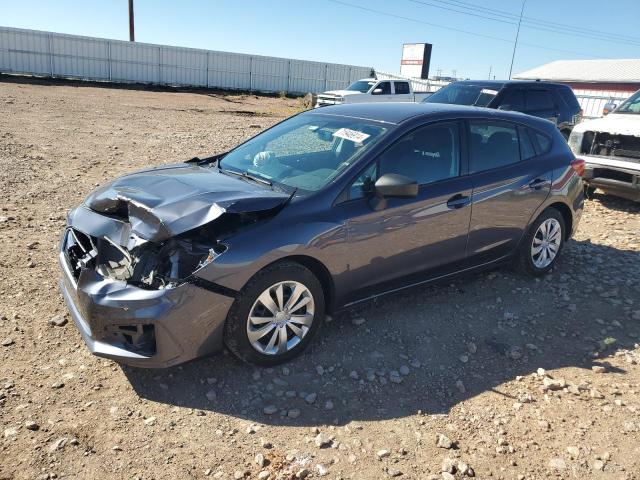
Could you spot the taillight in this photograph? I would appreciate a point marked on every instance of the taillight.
(578, 166)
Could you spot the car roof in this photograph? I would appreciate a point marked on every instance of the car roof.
(398, 112)
(503, 83)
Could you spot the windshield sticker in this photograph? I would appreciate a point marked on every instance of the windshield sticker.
(351, 135)
(489, 91)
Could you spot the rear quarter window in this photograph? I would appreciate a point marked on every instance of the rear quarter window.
(527, 150)
(569, 97)
(543, 142)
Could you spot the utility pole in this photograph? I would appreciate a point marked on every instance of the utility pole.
(132, 36)
(515, 44)
(490, 67)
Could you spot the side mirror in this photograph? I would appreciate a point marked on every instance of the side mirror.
(608, 108)
(376, 91)
(395, 185)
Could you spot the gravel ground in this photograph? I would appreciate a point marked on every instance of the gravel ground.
(494, 375)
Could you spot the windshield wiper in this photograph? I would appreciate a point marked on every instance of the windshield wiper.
(248, 176)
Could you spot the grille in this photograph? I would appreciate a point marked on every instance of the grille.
(135, 338)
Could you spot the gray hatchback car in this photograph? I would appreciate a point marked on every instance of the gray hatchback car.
(329, 208)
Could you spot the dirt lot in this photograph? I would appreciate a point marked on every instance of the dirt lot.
(437, 382)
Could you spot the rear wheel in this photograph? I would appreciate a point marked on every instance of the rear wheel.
(542, 244)
(275, 315)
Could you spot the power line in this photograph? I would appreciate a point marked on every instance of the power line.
(517, 21)
(459, 30)
(603, 35)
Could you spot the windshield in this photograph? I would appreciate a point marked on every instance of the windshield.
(361, 86)
(463, 95)
(305, 152)
(630, 105)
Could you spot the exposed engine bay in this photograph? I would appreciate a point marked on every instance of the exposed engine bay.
(610, 145)
(153, 265)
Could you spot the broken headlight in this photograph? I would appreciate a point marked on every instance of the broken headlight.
(575, 142)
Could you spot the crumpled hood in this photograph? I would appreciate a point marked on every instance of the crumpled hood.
(166, 201)
(614, 123)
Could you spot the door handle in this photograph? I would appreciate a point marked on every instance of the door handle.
(458, 201)
(539, 183)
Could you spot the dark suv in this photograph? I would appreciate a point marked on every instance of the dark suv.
(552, 101)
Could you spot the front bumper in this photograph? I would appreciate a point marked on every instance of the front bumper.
(141, 327)
(326, 101)
(615, 176)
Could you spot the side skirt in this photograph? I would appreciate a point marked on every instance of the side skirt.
(476, 268)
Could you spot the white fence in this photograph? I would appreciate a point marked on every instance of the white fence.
(593, 104)
(50, 54)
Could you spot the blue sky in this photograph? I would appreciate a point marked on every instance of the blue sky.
(324, 30)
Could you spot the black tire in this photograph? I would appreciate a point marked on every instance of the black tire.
(523, 262)
(566, 134)
(235, 331)
(589, 192)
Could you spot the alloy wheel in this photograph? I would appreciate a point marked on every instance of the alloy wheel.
(546, 243)
(280, 318)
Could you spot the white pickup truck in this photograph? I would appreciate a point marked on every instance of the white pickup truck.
(610, 147)
(371, 90)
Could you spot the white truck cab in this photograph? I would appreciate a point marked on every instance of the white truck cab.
(371, 90)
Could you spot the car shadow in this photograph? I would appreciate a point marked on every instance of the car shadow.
(447, 343)
(615, 203)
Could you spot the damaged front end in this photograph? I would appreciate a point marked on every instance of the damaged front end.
(612, 162)
(130, 259)
(146, 265)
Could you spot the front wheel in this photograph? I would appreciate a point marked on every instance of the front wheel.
(542, 244)
(275, 315)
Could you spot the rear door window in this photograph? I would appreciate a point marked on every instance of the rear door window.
(492, 145)
(402, 88)
(537, 100)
